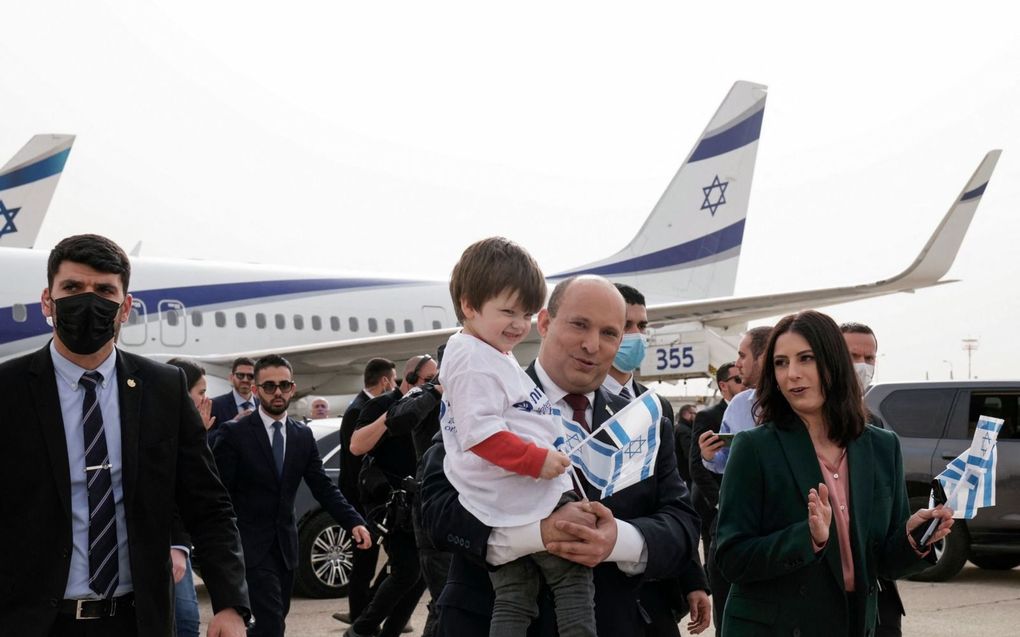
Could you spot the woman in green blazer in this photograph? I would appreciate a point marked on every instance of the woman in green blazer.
(803, 548)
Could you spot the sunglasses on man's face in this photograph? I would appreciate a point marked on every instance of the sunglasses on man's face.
(243, 376)
(270, 387)
(735, 379)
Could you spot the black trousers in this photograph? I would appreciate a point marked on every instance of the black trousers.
(270, 584)
(399, 593)
(890, 610)
(720, 587)
(435, 566)
(359, 587)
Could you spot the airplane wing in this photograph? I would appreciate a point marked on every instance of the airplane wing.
(927, 270)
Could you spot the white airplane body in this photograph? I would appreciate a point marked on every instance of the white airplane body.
(684, 259)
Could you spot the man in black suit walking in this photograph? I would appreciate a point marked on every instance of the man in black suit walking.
(262, 459)
(98, 445)
(647, 531)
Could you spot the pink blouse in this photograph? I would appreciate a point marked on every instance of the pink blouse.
(837, 479)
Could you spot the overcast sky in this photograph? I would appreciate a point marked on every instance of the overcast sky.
(386, 137)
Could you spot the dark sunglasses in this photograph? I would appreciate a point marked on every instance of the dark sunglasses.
(735, 379)
(243, 376)
(270, 387)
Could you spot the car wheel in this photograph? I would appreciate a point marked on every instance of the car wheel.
(324, 558)
(996, 561)
(951, 554)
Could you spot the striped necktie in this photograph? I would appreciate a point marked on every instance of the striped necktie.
(625, 393)
(104, 564)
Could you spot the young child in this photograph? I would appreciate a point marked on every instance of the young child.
(498, 430)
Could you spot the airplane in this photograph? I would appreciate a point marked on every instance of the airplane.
(683, 258)
(27, 183)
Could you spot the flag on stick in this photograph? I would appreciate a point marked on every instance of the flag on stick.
(969, 480)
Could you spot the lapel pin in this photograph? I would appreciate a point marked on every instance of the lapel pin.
(131, 382)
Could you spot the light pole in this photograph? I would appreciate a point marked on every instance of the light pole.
(969, 345)
(950, 368)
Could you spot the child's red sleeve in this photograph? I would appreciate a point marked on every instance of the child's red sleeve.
(506, 450)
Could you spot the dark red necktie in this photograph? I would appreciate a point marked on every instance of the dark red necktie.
(579, 403)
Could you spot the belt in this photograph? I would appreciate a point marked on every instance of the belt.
(96, 608)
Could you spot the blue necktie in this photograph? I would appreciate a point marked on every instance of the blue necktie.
(104, 565)
(625, 394)
(278, 447)
(246, 405)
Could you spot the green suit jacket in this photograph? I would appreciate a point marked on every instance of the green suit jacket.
(780, 586)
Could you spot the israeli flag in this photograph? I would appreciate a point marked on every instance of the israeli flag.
(969, 480)
(622, 451)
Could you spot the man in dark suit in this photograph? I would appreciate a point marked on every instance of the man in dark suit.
(262, 459)
(98, 446)
(239, 401)
(705, 488)
(380, 377)
(684, 430)
(689, 593)
(647, 531)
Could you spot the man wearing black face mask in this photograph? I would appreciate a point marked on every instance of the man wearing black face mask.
(95, 443)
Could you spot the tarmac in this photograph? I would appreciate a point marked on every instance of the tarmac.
(976, 603)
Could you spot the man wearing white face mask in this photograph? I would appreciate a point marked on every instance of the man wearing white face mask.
(863, 346)
(688, 593)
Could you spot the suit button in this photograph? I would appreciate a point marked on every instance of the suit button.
(803, 591)
(796, 632)
(53, 603)
(449, 537)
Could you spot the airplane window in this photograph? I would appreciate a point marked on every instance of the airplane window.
(353, 324)
(134, 318)
(19, 312)
(373, 325)
(221, 319)
(391, 326)
(281, 322)
(196, 317)
(172, 318)
(334, 323)
(316, 322)
(408, 325)
(299, 322)
(260, 321)
(241, 319)
(436, 325)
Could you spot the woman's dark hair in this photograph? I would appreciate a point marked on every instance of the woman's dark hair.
(192, 371)
(843, 409)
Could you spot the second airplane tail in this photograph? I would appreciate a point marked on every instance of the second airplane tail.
(689, 246)
(27, 183)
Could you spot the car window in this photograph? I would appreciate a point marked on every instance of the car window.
(1002, 404)
(918, 413)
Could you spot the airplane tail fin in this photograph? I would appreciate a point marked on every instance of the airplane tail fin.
(27, 183)
(689, 246)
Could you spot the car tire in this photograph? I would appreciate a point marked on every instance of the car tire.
(324, 558)
(951, 556)
(996, 561)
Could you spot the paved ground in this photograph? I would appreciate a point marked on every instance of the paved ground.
(976, 603)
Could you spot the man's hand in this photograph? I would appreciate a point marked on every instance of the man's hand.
(362, 538)
(576, 512)
(179, 560)
(701, 611)
(592, 546)
(710, 444)
(226, 623)
(555, 464)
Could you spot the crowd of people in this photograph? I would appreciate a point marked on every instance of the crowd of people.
(118, 469)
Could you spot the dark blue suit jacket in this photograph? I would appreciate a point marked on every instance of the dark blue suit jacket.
(264, 503)
(225, 409)
(658, 507)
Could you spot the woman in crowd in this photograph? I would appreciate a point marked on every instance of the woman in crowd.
(813, 504)
(186, 606)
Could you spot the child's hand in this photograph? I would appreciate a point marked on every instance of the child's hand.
(555, 464)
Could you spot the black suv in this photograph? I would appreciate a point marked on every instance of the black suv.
(935, 422)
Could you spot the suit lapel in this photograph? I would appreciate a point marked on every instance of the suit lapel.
(129, 391)
(860, 461)
(803, 462)
(290, 453)
(51, 422)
